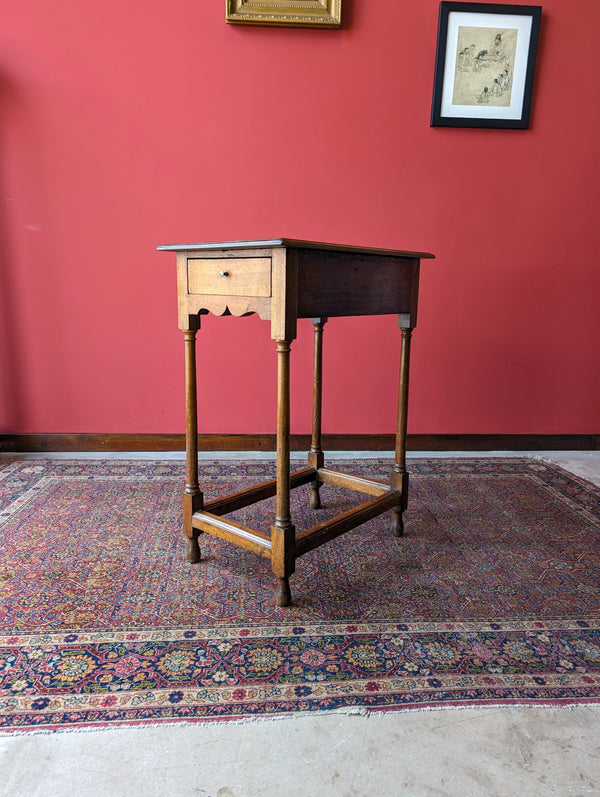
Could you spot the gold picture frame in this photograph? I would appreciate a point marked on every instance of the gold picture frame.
(297, 13)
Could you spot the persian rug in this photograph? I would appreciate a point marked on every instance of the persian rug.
(491, 597)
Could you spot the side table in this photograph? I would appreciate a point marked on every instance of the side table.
(282, 280)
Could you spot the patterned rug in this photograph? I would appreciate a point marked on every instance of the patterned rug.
(491, 597)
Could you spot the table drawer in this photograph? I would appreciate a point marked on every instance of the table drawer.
(243, 276)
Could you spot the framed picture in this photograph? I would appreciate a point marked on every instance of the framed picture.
(299, 13)
(484, 65)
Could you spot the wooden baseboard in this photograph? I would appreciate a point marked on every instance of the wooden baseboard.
(267, 442)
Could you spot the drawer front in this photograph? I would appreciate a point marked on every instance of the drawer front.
(243, 276)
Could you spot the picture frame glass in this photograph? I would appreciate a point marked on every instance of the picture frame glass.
(486, 65)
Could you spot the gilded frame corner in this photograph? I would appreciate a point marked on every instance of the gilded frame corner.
(296, 13)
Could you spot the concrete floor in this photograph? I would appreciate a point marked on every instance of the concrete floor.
(471, 752)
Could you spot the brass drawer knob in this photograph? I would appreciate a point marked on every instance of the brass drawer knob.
(224, 273)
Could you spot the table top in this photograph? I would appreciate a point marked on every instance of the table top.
(292, 243)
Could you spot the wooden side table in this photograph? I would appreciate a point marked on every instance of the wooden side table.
(282, 280)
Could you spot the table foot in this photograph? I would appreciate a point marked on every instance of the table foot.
(193, 551)
(397, 523)
(283, 595)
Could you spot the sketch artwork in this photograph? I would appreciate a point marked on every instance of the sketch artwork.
(485, 63)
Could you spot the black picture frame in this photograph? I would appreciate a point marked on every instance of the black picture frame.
(485, 64)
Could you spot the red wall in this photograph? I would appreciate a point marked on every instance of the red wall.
(128, 125)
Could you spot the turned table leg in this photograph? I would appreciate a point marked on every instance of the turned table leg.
(316, 458)
(399, 477)
(192, 497)
(283, 533)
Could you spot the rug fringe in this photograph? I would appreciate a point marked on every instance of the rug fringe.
(350, 711)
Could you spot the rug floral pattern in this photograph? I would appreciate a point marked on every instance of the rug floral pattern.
(492, 596)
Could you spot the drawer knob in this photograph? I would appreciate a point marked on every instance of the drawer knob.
(224, 273)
